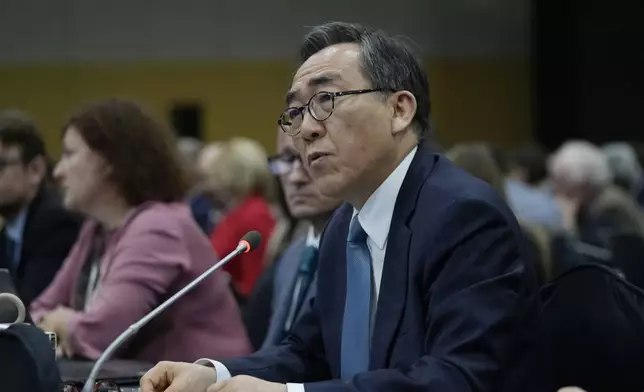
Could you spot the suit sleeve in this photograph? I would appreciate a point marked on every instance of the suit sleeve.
(55, 235)
(300, 357)
(478, 298)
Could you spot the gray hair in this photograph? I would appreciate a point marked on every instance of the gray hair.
(623, 163)
(189, 149)
(386, 61)
(579, 162)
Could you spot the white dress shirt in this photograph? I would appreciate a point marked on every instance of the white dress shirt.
(375, 219)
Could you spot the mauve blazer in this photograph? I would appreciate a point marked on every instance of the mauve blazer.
(158, 250)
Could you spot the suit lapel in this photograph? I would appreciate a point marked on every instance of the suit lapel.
(27, 239)
(310, 294)
(395, 274)
(285, 280)
(332, 284)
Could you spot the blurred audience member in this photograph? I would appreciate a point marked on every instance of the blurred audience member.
(239, 175)
(287, 228)
(295, 270)
(204, 162)
(38, 232)
(201, 207)
(142, 245)
(478, 160)
(524, 172)
(527, 164)
(624, 165)
(594, 211)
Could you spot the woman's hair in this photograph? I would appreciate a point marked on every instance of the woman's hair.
(241, 168)
(477, 159)
(141, 152)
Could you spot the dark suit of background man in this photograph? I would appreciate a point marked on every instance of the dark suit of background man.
(38, 233)
(422, 284)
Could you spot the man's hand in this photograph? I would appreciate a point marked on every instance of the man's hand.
(246, 384)
(178, 377)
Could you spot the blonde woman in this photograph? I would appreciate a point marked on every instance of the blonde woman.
(239, 175)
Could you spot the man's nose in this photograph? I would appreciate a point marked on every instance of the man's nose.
(311, 129)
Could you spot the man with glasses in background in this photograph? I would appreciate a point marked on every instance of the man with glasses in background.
(423, 281)
(38, 232)
(295, 269)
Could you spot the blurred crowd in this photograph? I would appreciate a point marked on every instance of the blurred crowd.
(133, 211)
(581, 203)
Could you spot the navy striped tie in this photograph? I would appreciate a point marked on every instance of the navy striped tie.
(357, 309)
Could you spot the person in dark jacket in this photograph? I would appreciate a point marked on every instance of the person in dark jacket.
(38, 232)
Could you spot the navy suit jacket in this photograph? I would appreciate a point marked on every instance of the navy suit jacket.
(49, 234)
(458, 308)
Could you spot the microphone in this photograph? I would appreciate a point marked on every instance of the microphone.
(249, 242)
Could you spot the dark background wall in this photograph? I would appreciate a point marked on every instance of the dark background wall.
(589, 70)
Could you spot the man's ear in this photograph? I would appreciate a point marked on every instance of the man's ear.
(404, 109)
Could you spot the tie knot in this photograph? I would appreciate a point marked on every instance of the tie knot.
(356, 232)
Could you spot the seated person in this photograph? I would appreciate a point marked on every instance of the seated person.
(140, 246)
(596, 213)
(202, 208)
(38, 232)
(240, 177)
(296, 268)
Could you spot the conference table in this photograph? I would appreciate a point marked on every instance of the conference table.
(124, 373)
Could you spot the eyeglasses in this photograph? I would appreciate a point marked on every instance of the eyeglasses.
(101, 386)
(320, 107)
(283, 164)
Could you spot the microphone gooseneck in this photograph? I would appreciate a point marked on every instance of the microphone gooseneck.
(249, 242)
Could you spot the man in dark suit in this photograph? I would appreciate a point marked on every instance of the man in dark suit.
(422, 283)
(280, 295)
(296, 269)
(38, 233)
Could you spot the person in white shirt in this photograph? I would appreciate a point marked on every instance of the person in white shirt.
(422, 284)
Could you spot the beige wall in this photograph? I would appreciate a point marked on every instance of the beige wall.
(233, 56)
(484, 99)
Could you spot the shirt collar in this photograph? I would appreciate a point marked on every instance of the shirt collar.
(376, 214)
(16, 226)
(311, 238)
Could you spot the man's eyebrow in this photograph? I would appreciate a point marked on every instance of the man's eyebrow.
(289, 97)
(317, 81)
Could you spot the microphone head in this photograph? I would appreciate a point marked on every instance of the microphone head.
(252, 239)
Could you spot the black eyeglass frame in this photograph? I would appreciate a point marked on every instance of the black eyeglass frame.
(333, 95)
